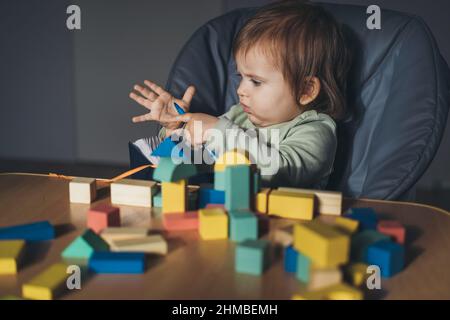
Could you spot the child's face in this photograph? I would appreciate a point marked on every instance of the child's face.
(263, 93)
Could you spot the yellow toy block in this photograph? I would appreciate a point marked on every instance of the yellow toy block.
(230, 158)
(357, 274)
(262, 200)
(11, 253)
(174, 195)
(339, 291)
(213, 223)
(47, 285)
(347, 225)
(326, 246)
(328, 202)
(291, 205)
(82, 190)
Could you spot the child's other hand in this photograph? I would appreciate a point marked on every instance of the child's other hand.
(161, 104)
(202, 121)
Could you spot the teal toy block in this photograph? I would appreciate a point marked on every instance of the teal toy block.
(237, 187)
(361, 241)
(169, 171)
(303, 267)
(366, 216)
(252, 257)
(256, 186)
(243, 226)
(290, 259)
(37, 231)
(219, 180)
(388, 255)
(82, 248)
(157, 200)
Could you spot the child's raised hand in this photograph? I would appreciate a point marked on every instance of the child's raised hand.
(161, 104)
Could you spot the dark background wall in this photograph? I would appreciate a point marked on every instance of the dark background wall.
(64, 94)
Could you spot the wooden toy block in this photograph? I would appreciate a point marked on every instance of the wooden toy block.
(392, 228)
(243, 226)
(256, 182)
(150, 244)
(326, 246)
(327, 202)
(174, 196)
(37, 231)
(237, 187)
(262, 200)
(339, 291)
(361, 241)
(181, 221)
(103, 216)
(132, 192)
(168, 148)
(48, 285)
(366, 216)
(81, 249)
(123, 233)
(388, 255)
(11, 255)
(169, 171)
(290, 259)
(82, 190)
(291, 205)
(157, 200)
(207, 196)
(284, 236)
(346, 225)
(232, 158)
(356, 273)
(252, 257)
(213, 224)
(117, 262)
(219, 180)
(322, 278)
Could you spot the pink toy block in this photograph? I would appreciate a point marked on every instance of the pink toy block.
(392, 228)
(103, 216)
(181, 221)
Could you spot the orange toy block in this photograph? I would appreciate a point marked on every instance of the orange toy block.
(181, 221)
(392, 228)
(102, 217)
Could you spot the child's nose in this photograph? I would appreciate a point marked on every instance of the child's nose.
(241, 90)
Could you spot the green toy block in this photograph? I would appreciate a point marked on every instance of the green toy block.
(237, 187)
(243, 226)
(361, 241)
(256, 182)
(81, 249)
(157, 200)
(219, 180)
(169, 171)
(303, 267)
(252, 257)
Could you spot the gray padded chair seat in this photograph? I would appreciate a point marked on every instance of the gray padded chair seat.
(398, 94)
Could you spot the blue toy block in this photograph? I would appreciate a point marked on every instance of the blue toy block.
(207, 196)
(252, 257)
(366, 216)
(165, 149)
(38, 231)
(117, 262)
(237, 187)
(290, 259)
(303, 267)
(361, 241)
(388, 255)
(243, 226)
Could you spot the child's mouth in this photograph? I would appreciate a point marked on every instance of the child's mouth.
(245, 108)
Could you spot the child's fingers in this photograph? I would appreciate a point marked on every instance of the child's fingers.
(142, 101)
(146, 92)
(189, 94)
(157, 89)
(144, 117)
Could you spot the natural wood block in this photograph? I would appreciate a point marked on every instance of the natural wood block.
(327, 202)
(48, 285)
(82, 190)
(232, 158)
(103, 216)
(174, 196)
(324, 245)
(132, 192)
(181, 221)
(262, 200)
(213, 224)
(392, 228)
(123, 233)
(291, 205)
(284, 236)
(11, 255)
(150, 244)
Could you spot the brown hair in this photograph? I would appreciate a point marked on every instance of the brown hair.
(303, 41)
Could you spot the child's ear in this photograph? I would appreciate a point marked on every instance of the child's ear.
(312, 90)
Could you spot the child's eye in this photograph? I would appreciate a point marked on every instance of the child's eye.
(256, 82)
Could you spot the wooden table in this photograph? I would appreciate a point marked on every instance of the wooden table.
(196, 269)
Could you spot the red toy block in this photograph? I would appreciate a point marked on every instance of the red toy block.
(215, 205)
(181, 221)
(103, 216)
(392, 228)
